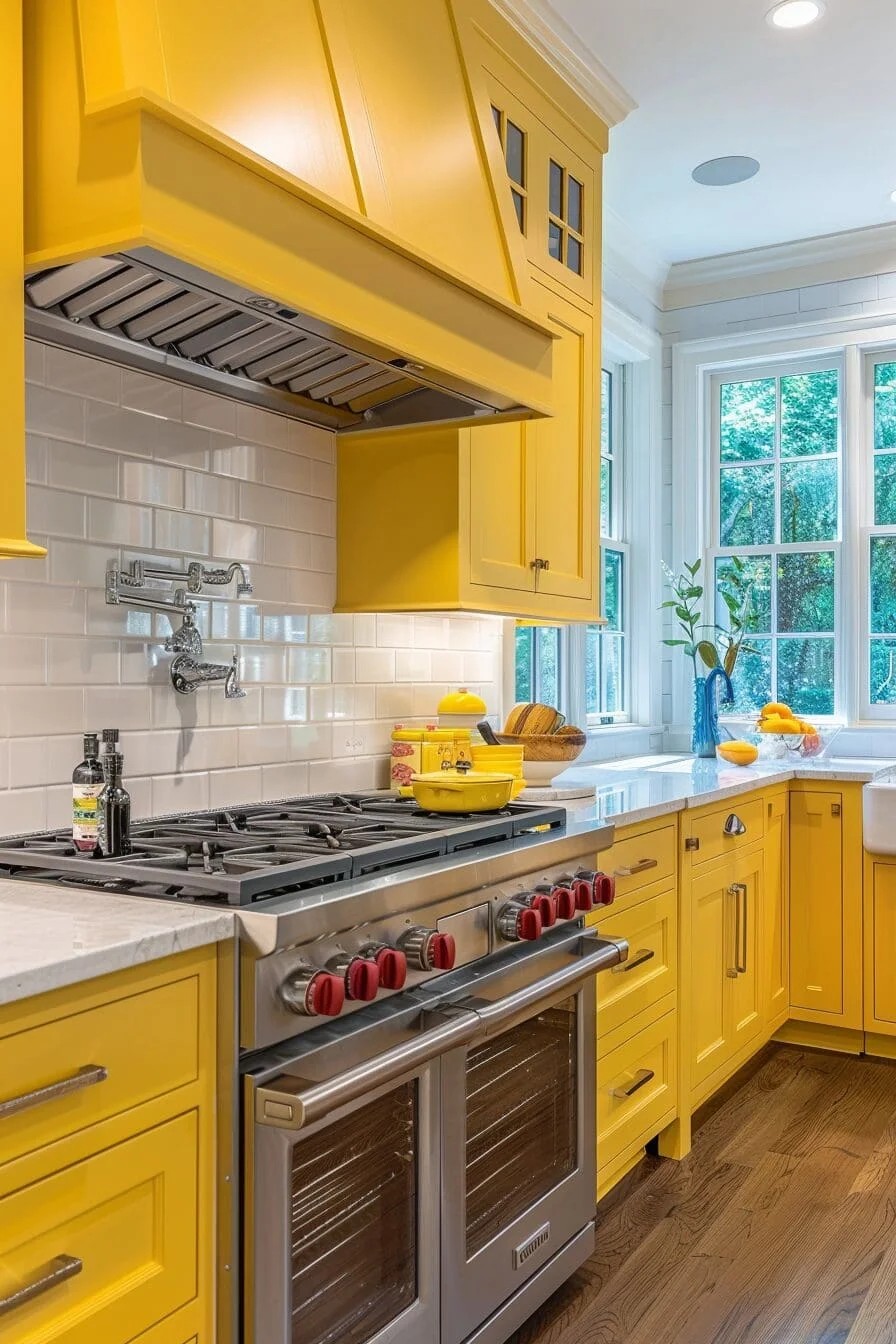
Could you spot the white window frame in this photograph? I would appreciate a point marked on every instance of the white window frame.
(859, 342)
(777, 369)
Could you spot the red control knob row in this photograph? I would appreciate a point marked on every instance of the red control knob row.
(313, 993)
(391, 963)
(518, 922)
(427, 950)
(553, 902)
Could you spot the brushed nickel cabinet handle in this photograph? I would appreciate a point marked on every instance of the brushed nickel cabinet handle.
(742, 964)
(646, 954)
(640, 867)
(641, 1078)
(739, 891)
(734, 825)
(89, 1076)
(57, 1271)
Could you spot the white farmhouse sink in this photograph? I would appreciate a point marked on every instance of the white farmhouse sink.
(879, 815)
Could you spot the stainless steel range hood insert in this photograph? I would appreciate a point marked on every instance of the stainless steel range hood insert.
(157, 313)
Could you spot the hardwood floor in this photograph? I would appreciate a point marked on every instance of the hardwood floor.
(779, 1228)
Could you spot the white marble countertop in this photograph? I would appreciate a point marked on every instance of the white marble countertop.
(51, 937)
(641, 787)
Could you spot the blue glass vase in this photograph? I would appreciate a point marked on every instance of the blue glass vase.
(703, 742)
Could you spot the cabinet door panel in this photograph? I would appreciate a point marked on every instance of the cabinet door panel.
(775, 941)
(566, 502)
(501, 509)
(881, 944)
(816, 902)
(712, 947)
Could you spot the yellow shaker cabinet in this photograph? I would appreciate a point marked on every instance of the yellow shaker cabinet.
(500, 519)
(826, 904)
(880, 945)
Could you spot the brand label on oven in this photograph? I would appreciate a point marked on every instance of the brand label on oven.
(527, 1249)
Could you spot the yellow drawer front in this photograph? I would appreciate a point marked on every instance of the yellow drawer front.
(640, 860)
(637, 1085)
(102, 1062)
(124, 1221)
(651, 929)
(706, 838)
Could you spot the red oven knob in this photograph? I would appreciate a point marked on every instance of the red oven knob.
(361, 977)
(313, 993)
(583, 891)
(604, 889)
(543, 900)
(519, 923)
(391, 964)
(565, 899)
(427, 950)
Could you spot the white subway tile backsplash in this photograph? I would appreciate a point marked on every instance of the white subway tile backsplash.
(124, 466)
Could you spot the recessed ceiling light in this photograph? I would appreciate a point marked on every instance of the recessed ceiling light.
(795, 13)
(725, 172)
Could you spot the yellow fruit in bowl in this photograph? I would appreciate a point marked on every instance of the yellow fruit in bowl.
(737, 753)
(774, 709)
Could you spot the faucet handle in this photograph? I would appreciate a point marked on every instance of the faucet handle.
(232, 688)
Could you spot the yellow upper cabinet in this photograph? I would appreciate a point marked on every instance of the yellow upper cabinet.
(13, 541)
(334, 155)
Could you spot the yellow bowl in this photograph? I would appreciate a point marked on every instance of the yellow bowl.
(456, 791)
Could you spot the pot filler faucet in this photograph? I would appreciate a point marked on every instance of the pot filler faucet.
(188, 670)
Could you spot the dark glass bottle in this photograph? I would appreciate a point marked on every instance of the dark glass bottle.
(87, 785)
(114, 836)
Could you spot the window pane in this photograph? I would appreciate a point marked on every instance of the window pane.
(809, 413)
(496, 113)
(752, 680)
(747, 506)
(883, 672)
(809, 501)
(748, 420)
(806, 592)
(574, 254)
(606, 401)
(885, 489)
(606, 498)
(885, 406)
(612, 674)
(516, 154)
(883, 585)
(519, 205)
(555, 241)
(574, 192)
(524, 688)
(806, 675)
(547, 682)
(555, 187)
(612, 572)
(754, 589)
(592, 672)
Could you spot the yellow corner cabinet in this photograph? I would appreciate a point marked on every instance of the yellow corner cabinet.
(108, 1095)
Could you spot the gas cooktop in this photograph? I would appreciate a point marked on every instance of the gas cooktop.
(242, 855)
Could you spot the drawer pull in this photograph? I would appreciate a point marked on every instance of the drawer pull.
(734, 825)
(641, 1078)
(62, 1268)
(640, 867)
(86, 1077)
(645, 954)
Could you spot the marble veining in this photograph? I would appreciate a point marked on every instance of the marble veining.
(51, 937)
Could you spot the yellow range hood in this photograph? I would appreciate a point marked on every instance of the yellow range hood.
(301, 203)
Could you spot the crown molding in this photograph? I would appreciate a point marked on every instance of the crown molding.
(565, 52)
(628, 256)
(761, 270)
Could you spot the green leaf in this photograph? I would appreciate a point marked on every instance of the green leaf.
(707, 653)
(684, 615)
(675, 643)
(731, 658)
(670, 603)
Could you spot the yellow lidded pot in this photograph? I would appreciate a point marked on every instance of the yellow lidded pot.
(462, 791)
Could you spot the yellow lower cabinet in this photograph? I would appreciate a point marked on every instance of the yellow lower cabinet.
(725, 1010)
(637, 1094)
(99, 1251)
(880, 946)
(651, 972)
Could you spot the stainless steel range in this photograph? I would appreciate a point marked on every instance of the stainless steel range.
(416, 1022)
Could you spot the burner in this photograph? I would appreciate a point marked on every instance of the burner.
(244, 854)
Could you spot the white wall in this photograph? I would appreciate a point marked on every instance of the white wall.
(120, 466)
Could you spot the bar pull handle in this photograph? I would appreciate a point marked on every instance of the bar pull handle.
(641, 1079)
(57, 1271)
(739, 891)
(88, 1076)
(742, 964)
(645, 954)
(640, 867)
(734, 825)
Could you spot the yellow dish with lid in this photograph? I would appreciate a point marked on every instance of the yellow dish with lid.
(462, 791)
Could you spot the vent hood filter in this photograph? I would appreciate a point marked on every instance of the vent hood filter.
(162, 315)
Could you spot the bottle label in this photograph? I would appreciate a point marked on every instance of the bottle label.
(85, 814)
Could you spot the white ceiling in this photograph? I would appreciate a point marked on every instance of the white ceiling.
(816, 106)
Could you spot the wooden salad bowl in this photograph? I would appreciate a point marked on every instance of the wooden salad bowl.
(566, 745)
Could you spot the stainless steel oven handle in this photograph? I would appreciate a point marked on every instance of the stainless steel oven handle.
(296, 1110)
(598, 954)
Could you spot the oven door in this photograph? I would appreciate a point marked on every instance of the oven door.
(342, 1183)
(518, 1135)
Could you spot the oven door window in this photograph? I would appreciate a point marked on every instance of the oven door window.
(521, 1120)
(353, 1222)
